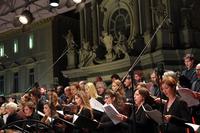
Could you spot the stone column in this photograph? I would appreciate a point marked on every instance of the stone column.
(94, 22)
(81, 25)
(148, 22)
(71, 59)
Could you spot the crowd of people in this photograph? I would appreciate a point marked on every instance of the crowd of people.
(57, 107)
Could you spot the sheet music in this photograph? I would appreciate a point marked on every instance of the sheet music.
(42, 114)
(155, 115)
(60, 112)
(194, 126)
(187, 96)
(75, 117)
(96, 105)
(112, 113)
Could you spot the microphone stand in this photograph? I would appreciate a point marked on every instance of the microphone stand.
(147, 45)
(42, 75)
(159, 73)
(136, 62)
(162, 126)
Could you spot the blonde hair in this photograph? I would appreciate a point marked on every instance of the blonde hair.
(85, 100)
(91, 89)
(12, 105)
(120, 88)
(170, 73)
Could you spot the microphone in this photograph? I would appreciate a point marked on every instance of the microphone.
(170, 22)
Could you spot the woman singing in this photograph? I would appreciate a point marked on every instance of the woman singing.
(176, 112)
(84, 109)
(106, 124)
(143, 124)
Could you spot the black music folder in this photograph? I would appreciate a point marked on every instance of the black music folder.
(84, 122)
(154, 115)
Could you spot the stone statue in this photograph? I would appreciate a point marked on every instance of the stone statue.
(120, 47)
(186, 13)
(72, 51)
(107, 40)
(86, 54)
(160, 11)
(70, 40)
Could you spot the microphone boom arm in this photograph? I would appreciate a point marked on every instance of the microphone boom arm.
(147, 45)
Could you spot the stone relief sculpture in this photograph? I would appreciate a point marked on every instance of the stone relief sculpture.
(72, 51)
(120, 46)
(160, 11)
(107, 40)
(86, 54)
(186, 13)
(70, 40)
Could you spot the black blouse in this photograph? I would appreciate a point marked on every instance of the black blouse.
(180, 114)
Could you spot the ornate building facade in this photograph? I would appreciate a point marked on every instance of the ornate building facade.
(114, 33)
(105, 37)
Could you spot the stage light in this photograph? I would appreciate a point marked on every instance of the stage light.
(54, 3)
(26, 17)
(77, 1)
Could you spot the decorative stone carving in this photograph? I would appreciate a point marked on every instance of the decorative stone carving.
(189, 13)
(70, 40)
(86, 54)
(72, 51)
(160, 11)
(120, 46)
(107, 40)
(186, 16)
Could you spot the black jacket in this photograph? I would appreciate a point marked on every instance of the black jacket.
(180, 114)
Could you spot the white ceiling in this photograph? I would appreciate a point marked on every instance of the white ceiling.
(10, 9)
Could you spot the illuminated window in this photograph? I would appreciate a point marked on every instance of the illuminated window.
(1, 50)
(31, 41)
(15, 46)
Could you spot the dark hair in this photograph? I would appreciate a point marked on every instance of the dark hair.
(144, 92)
(98, 78)
(116, 76)
(51, 106)
(118, 103)
(189, 56)
(110, 93)
(138, 72)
